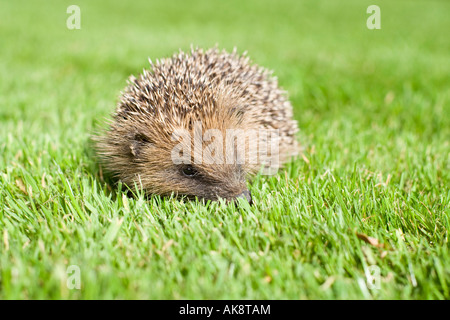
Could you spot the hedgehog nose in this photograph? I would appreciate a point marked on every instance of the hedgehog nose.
(246, 195)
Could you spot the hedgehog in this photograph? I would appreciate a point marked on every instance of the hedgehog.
(170, 132)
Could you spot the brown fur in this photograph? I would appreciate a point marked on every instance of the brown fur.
(222, 90)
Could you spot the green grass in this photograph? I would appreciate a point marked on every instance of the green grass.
(373, 108)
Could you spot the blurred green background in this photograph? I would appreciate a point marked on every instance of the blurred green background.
(321, 51)
(373, 110)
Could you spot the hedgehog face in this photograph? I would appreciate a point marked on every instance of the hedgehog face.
(160, 172)
(192, 164)
(212, 182)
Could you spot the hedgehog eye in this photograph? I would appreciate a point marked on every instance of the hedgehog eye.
(189, 171)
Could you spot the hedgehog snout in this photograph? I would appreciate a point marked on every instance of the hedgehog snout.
(246, 194)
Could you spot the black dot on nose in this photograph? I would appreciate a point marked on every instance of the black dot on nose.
(246, 195)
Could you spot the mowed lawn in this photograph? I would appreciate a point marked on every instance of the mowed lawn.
(370, 194)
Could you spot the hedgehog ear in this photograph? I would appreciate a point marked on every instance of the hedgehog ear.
(141, 138)
(139, 141)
